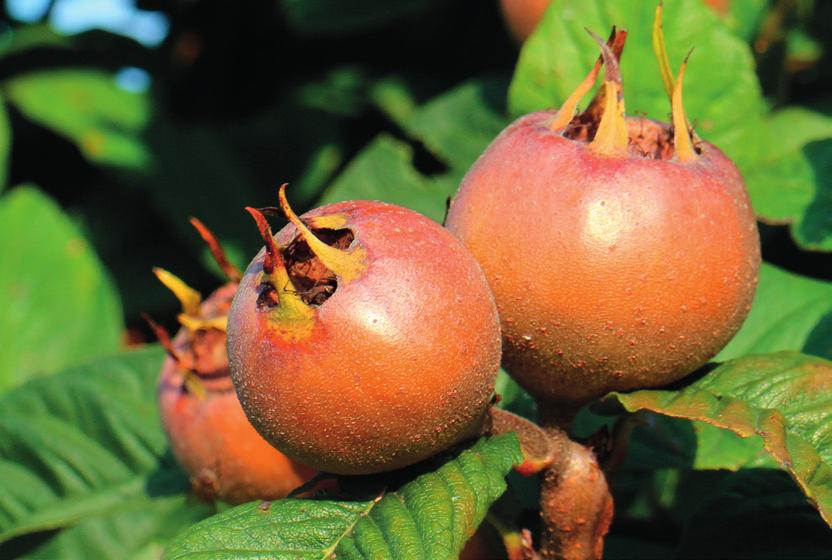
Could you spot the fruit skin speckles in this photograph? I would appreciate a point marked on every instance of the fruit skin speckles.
(210, 436)
(397, 363)
(604, 253)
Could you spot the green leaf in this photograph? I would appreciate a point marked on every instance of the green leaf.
(744, 17)
(458, 125)
(455, 127)
(722, 94)
(787, 164)
(83, 443)
(317, 17)
(383, 171)
(431, 517)
(790, 312)
(757, 514)
(139, 528)
(663, 442)
(87, 107)
(59, 307)
(783, 398)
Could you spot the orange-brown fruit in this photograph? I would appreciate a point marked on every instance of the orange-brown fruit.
(209, 434)
(622, 252)
(363, 338)
(522, 16)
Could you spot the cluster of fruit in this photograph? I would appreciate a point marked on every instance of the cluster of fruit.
(587, 251)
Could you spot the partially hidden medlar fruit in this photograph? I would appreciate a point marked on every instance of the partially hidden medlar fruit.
(363, 338)
(209, 434)
(622, 252)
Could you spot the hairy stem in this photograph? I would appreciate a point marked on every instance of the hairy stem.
(575, 500)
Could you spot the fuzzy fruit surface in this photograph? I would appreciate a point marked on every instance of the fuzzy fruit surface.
(396, 365)
(609, 272)
(210, 436)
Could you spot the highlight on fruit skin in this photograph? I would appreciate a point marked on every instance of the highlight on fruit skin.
(372, 354)
(617, 262)
(209, 434)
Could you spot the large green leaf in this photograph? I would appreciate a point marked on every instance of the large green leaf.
(430, 518)
(784, 398)
(722, 95)
(58, 305)
(787, 164)
(138, 529)
(790, 312)
(82, 444)
(383, 171)
(87, 107)
(744, 17)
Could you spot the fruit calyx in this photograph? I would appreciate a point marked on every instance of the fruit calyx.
(195, 347)
(306, 272)
(604, 126)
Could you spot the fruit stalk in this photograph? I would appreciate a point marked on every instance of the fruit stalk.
(576, 504)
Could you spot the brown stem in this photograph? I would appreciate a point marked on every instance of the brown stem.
(575, 500)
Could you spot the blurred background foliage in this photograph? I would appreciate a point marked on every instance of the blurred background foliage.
(132, 116)
(119, 119)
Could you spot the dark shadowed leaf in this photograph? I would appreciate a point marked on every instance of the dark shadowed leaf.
(429, 518)
(383, 171)
(315, 17)
(458, 125)
(756, 513)
(59, 306)
(783, 398)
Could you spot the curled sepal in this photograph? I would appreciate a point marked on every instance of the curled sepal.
(567, 111)
(288, 302)
(272, 260)
(611, 136)
(682, 142)
(187, 296)
(345, 265)
(192, 381)
(273, 264)
(163, 336)
(230, 271)
(660, 50)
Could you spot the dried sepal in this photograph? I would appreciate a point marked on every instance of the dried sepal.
(230, 271)
(187, 296)
(346, 265)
